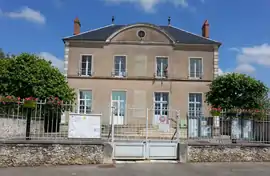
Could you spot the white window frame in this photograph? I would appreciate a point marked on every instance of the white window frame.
(195, 104)
(161, 102)
(162, 71)
(85, 100)
(114, 69)
(86, 69)
(195, 73)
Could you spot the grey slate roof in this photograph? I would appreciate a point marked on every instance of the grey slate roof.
(180, 36)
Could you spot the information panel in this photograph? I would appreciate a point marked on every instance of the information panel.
(84, 126)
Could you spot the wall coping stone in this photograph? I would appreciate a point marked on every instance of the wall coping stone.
(60, 142)
(228, 145)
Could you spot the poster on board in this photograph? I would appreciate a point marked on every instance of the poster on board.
(84, 126)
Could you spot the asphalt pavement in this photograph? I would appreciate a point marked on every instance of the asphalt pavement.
(154, 169)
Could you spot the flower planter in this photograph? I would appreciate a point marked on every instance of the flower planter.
(29, 104)
(215, 113)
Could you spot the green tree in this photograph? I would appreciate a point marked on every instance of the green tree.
(29, 75)
(237, 91)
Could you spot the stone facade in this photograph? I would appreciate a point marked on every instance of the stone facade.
(14, 155)
(229, 153)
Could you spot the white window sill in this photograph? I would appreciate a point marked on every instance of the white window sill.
(119, 76)
(85, 75)
(195, 78)
(160, 77)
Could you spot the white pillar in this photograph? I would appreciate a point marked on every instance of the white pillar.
(215, 63)
(66, 59)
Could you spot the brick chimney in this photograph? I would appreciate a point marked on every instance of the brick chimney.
(77, 26)
(205, 29)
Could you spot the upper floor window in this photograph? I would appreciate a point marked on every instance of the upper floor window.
(85, 101)
(86, 65)
(161, 67)
(120, 66)
(195, 104)
(195, 68)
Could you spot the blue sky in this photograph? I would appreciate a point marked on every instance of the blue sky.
(241, 25)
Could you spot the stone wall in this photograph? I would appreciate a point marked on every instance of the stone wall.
(16, 128)
(36, 154)
(229, 153)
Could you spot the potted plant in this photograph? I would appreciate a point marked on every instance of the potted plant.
(215, 111)
(8, 99)
(30, 102)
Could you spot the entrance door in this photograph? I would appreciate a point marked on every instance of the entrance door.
(118, 104)
(161, 102)
(194, 114)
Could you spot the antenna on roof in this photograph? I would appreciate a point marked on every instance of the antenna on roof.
(169, 21)
(112, 19)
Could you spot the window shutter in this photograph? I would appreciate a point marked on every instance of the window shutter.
(201, 69)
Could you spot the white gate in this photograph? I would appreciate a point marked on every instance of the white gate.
(147, 134)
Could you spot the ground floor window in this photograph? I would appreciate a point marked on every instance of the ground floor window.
(195, 104)
(85, 101)
(161, 103)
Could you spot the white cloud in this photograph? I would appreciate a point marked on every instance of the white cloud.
(28, 14)
(220, 72)
(247, 57)
(255, 55)
(245, 68)
(57, 62)
(150, 5)
(234, 49)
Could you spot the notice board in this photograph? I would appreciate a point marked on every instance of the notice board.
(84, 126)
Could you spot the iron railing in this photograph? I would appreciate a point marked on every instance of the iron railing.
(238, 126)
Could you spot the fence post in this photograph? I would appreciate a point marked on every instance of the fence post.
(146, 127)
(183, 144)
(112, 109)
(28, 123)
(178, 126)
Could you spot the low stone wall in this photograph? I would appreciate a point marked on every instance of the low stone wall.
(229, 153)
(38, 153)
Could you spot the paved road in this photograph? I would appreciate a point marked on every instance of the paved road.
(207, 169)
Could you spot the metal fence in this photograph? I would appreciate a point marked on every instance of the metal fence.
(43, 122)
(238, 126)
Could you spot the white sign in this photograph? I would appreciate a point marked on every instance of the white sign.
(163, 125)
(84, 126)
